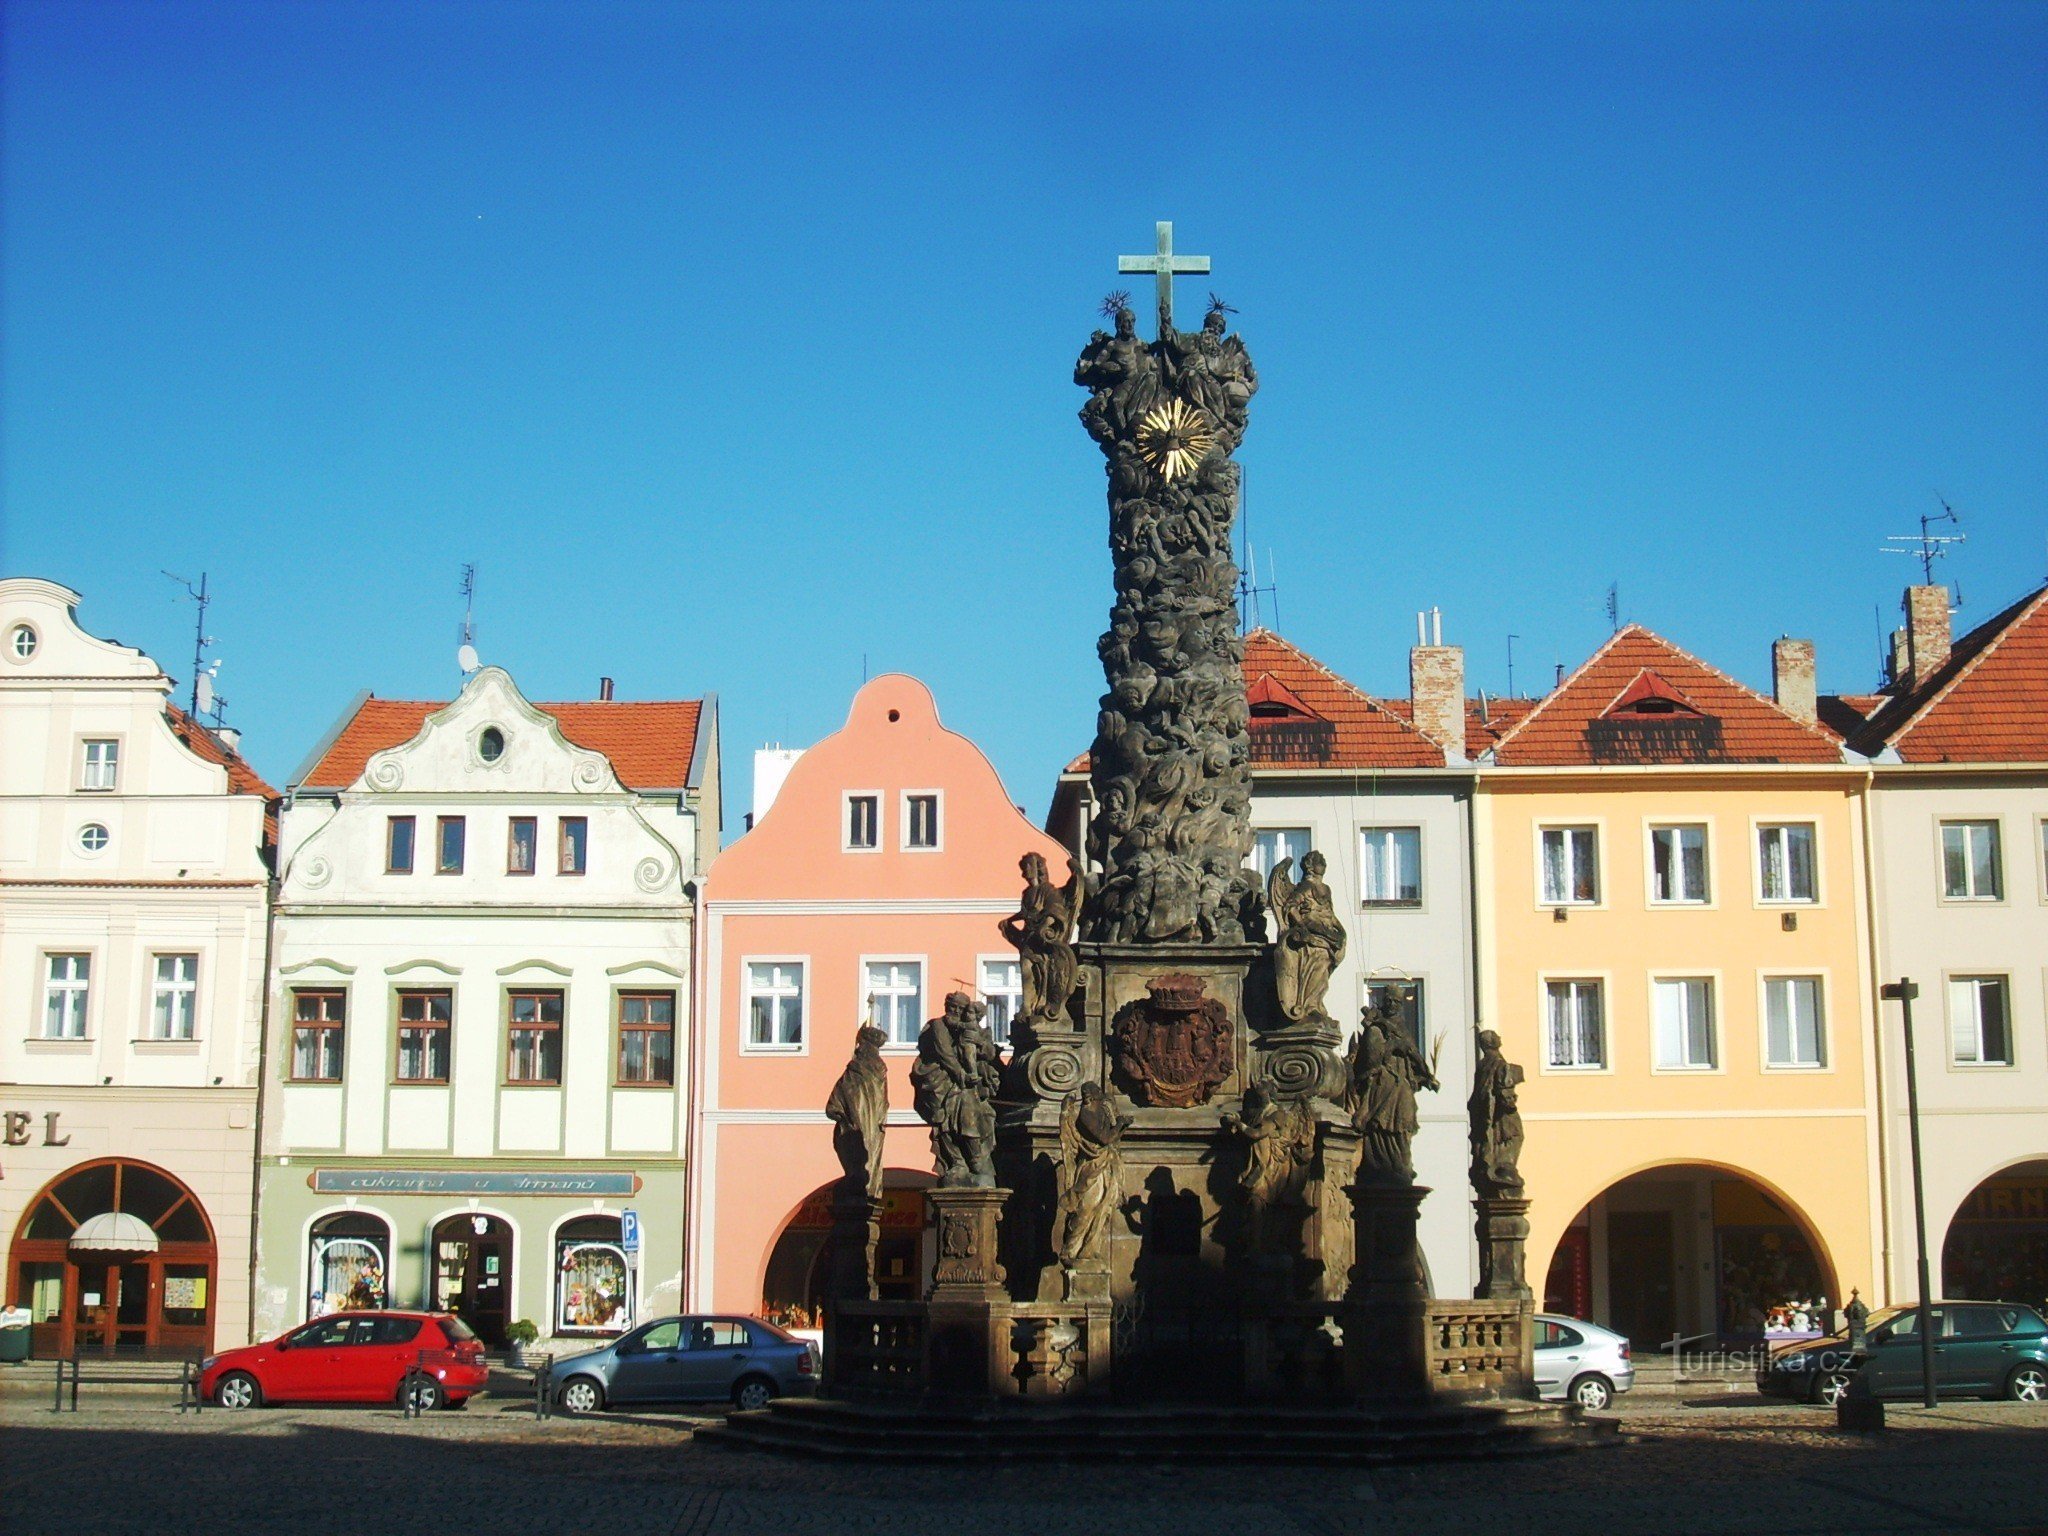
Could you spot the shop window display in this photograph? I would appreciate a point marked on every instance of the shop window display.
(593, 1278)
(351, 1254)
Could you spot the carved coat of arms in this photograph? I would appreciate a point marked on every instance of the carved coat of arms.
(1175, 1046)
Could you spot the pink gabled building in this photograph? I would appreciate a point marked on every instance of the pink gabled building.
(873, 884)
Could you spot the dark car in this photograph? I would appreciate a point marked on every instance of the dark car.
(1981, 1349)
(689, 1360)
(351, 1357)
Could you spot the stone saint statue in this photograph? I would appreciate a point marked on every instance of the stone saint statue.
(954, 1086)
(1091, 1175)
(859, 1108)
(1496, 1120)
(1279, 1154)
(1386, 1071)
(1311, 940)
(1042, 929)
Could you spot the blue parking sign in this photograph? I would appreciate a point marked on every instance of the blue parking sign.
(629, 1231)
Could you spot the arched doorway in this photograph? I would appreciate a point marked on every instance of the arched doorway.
(796, 1283)
(473, 1272)
(348, 1261)
(1997, 1243)
(115, 1257)
(1696, 1253)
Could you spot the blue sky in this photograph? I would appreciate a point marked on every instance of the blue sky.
(735, 347)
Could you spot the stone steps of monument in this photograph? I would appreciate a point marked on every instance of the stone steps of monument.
(823, 1427)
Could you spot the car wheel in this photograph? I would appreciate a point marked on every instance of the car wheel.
(238, 1389)
(2028, 1383)
(1829, 1387)
(1592, 1391)
(753, 1393)
(580, 1394)
(427, 1393)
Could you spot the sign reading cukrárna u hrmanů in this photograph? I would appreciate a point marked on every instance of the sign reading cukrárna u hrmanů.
(467, 1181)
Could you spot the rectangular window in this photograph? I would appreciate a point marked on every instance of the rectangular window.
(1401, 998)
(66, 984)
(1390, 866)
(895, 993)
(1685, 1024)
(1784, 859)
(573, 845)
(174, 1005)
(647, 1038)
(423, 1019)
(1794, 1031)
(1002, 989)
(775, 1002)
(520, 843)
(1272, 844)
(1971, 869)
(398, 841)
(318, 1019)
(863, 823)
(102, 766)
(450, 832)
(920, 821)
(1578, 1024)
(1571, 866)
(1980, 1021)
(1678, 865)
(533, 1040)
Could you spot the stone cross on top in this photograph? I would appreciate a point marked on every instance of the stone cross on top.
(1164, 265)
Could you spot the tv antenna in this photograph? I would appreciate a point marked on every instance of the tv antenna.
(1613, 607)
(465, 650)
(1929, 546)
(204, 699)
(1249, 588)
(1511, 664)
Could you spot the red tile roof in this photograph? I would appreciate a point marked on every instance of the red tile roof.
(1988, 703)
(1598, 715)
(242, 779)
(1844, 714)
(650, 744)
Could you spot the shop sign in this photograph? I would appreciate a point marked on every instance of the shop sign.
(14, 1130)
(468, 1181)
(2006, 1200)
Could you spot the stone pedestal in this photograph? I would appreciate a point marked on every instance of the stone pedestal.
(856, 1228)
(1386, 1309)
(968, 1268)
(1503, 1232)
(967, 1310)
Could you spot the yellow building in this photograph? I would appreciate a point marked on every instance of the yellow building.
(1672, 910)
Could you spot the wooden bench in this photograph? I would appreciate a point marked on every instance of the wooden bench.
(132, 1371)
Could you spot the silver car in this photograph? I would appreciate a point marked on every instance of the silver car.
(741, 1360)
(1581, 1362)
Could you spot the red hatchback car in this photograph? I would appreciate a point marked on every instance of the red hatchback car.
(351, 1357)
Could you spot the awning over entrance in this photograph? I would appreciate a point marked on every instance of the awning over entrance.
(114, 1232)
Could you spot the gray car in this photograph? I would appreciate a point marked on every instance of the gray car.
(689, 1360)
(1581, 1362)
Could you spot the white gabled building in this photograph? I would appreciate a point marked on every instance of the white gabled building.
(132, 901)
(480, 988)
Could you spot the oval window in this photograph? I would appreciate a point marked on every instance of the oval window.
(491, 745)
(92, 837)
(22, 642)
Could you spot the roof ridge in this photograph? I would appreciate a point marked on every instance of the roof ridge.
(1344, 682)
(1560, 690)
(2021, 610)
(1811, 727)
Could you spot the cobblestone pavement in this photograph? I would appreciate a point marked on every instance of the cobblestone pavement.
(130, 1463)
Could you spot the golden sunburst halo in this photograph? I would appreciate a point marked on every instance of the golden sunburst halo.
(1175, 437)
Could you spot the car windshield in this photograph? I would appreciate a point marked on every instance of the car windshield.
(457, 1330)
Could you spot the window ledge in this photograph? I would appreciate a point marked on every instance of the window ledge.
(150, 1045)
(1392, 906)
(794, 1048)
(644, 1087)
(57, 1045)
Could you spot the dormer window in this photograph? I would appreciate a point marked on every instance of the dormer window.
(1650, 721)
(490, 746)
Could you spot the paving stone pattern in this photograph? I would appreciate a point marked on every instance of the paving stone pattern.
(132, 1464)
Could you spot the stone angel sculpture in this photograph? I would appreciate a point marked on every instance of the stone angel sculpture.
(1042, 930)
(1311, 941)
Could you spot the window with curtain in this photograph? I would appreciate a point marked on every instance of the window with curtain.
(318, 1019)
(1390, 866)
(67, 982)
(424, 1019)
(1793, 1027)
(647, 1038)
(1980, 1021)
(1685, 1022)
(533, 1038)
(775, 1003)
(1571, 866)
(1785, 861)
(173, 1012)
(895, 998)
(1971, 866)
(1678, 864)
(1577, 1034)
(1002, 989)
(1272, 844)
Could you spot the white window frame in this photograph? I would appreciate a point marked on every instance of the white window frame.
(163, 1022)
(801, 1046)
(1422, 998)
(1391, 904)
(987, 993)
(1705, 827)
(88, 769)
(864, 1009)
(1308, 843)
(1821, 1005)
(78, 839)
(846, 799)
(1950, 980)
(1758, 825)
(1602, 983)
(15, 635)
(78, 988)
(1596, 829)
(938, 842)
(1970, 898)
(1716, 1057)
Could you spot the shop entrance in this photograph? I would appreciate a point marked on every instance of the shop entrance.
(473, 1273)
(794, 1289)
(1997, 1243)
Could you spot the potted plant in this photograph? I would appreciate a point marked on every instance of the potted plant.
(518, 1336)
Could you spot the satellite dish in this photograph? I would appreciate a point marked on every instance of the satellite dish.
(465, 658)
(205, 694)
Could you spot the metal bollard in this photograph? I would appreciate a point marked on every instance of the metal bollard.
(544, 1388)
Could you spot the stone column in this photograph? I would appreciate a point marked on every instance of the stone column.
(1503, 1230)
(967, 1310)
(1386, 1311)
(856, 1228)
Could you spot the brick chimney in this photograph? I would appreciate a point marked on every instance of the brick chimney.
(1792, 682)
(1927, 633)
(1436, 686)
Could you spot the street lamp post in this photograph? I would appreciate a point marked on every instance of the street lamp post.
(1903, 992)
